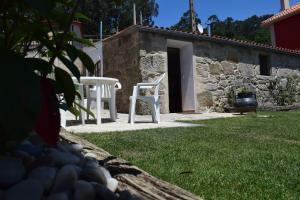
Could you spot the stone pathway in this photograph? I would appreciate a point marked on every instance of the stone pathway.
(142, 122)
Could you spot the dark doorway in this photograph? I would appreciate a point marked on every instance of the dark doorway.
(175, 98)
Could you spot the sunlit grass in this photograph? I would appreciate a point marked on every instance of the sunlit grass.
(252, 157)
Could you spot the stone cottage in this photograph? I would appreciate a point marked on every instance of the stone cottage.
(202, 71)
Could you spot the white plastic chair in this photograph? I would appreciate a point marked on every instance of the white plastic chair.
(108, 94)
(153, 100)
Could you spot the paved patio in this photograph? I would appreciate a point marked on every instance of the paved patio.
(142, 122)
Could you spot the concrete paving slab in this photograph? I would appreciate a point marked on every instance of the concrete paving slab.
(142, 122)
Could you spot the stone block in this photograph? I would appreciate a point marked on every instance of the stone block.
(284, 72)
(202, 73)
(211, 87)
(204, 99)
(228, 67)
(246, 70)
(216, 68)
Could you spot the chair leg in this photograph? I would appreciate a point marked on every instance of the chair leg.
(129, 112)
(81, 117)
(157, 111)
(131, 117)
(153, 112)
(63, 120)
(88, 106)
(112, 111)
(132, 110)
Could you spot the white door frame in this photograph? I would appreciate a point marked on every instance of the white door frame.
(187, 73)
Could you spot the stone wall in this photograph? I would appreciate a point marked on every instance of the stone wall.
(121, 59)
(135, 56)
(154, 62)
(222, 68)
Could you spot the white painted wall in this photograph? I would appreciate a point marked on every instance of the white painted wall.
(187, 78)
(187, 73)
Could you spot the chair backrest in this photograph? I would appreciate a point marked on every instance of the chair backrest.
(157, 81)
(107, 90)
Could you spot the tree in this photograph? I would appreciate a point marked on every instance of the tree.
(185, 22)
(213, 19)
(116, 15)
(248, 29)
(33, 34)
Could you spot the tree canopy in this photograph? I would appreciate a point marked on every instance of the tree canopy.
(185, 22)
(116, 15)
(248, 29)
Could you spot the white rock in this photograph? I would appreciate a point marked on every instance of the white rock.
(2, 195)
(104, 193)
(94, 174)
(25, 157)
(45, 175)
(74, 148)
(125, 195)
(63, 158)
(65, 179)
(90, 156)
(11, 171)
(59, 196)
(91, 163)
(77, 169)
(26, 142)
(106, 173)
(29, 189)
(62, 147)
(112, 184)
(83, 191)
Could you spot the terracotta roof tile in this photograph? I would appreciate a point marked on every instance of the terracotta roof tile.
(204, 36)
(221, 38)
(282, 15)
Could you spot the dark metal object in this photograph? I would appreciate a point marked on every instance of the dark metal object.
(245, 102)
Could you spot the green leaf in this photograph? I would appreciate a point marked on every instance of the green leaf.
(72, 52)
(82, 17)
(74, 111)
(83, 41)
(59, 17)
(43, 6)
(40, 65)
(78, 95)
(57, 87)
(63, 106)
(71, 66)
(85, 109)
(65, 81)
(1, 40)
(86, 61)
(21, 98)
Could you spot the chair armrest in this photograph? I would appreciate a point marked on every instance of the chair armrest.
(118, 86)
(147, 84)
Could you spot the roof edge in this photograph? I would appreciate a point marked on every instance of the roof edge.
(219, 39)
(215, 38)
(292, 11)
(121, 32)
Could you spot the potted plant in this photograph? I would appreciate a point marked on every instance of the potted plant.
(33, 35)
(245, 101)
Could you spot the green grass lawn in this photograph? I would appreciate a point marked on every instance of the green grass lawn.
(252, 157)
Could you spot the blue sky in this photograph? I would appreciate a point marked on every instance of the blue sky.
(170, 11)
